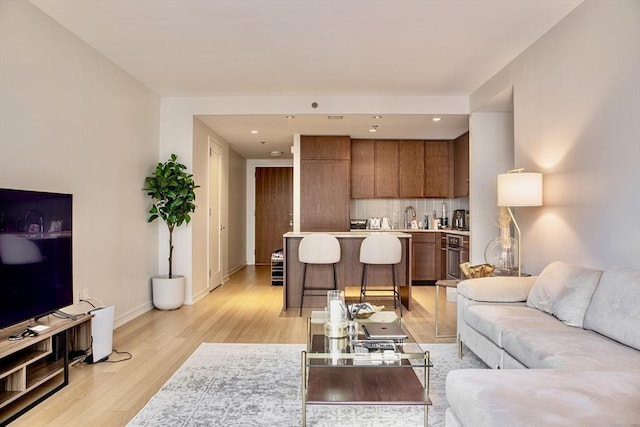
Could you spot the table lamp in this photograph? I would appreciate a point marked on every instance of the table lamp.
(517, 189)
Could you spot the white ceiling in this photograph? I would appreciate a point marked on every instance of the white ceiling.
(310, 47)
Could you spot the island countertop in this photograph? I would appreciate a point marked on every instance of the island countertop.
(353, 233)
(400, 233)
(348, 269)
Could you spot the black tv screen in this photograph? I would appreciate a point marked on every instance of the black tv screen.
(35, 254)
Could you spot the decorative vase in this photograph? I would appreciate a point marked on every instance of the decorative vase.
(168, 293)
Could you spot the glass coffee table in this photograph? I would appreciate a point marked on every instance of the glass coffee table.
(360, 371)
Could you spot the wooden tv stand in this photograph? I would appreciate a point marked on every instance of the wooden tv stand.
(34, 368)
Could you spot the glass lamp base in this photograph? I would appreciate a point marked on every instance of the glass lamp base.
(503, 255)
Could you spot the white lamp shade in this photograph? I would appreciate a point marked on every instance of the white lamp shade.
(520, 189)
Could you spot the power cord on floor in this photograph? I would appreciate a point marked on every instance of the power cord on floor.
(129, 356)
(81, 357)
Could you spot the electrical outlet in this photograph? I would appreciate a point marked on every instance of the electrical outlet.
(79, 296)
(85, 293)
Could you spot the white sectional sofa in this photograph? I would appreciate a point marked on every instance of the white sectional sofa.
(577, 330)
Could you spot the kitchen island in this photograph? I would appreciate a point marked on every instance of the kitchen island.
(349, 270)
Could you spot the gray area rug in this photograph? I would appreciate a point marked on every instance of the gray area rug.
(260, 385)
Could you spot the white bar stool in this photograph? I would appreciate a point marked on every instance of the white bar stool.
(318, 248)
(381, 249)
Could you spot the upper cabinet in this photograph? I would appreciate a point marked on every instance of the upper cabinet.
(386, 169)
(325, 147)
(461, 167)
(411, 176)
(363, 157)
(438, 169)
(402, 169)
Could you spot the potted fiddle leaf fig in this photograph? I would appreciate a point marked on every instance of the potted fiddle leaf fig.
(171, 189)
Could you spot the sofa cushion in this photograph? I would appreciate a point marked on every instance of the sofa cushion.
(506, 398)
(492, 319)
(496, 289)
(569, 348)
(565, 291)
(614, 308)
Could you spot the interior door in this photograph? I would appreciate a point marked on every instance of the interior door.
(274, 209)
(215, 227)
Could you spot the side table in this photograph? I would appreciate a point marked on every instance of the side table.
(445, 284)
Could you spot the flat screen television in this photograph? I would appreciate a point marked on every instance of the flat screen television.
(36, 262)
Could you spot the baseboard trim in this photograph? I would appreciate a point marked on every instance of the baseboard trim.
(234, 270)
(132, 314)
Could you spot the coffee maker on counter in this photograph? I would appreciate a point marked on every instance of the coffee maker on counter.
(460, 219)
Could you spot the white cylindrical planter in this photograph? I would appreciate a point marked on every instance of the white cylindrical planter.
(168, 294)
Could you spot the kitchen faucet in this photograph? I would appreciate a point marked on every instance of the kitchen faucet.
(409, 215)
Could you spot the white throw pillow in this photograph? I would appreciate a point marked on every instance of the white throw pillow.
(565, 291)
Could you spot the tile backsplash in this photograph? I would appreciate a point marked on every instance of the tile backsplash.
(394, 208)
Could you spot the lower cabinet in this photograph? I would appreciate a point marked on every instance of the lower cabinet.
(424, 256)
(442, 256)
(430, 256)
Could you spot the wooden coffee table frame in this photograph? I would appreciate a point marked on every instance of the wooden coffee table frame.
(349, 384)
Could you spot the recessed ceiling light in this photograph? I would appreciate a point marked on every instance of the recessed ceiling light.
(289, 117)
(436, 119)
(254, 132)
(335, 117)
(275, 153)
(377, 117)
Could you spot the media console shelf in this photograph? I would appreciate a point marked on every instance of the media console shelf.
(34, 368)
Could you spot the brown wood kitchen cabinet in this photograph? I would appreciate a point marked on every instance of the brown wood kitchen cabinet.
(411, 162)
(424, 256)
(325, 183)
(362, 168)
(325, 147)
(461, 167)
(403, 169)
(386, 169)
(438, 160)
(441, 256)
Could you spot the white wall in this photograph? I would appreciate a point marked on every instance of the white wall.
(576, 104)
(199, 273)
(490, 153)
(71, 121)
(197, 270)
(237, 230)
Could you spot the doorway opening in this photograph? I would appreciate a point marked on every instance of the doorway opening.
(274, 210)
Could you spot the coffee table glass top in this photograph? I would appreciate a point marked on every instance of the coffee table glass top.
(362, 352)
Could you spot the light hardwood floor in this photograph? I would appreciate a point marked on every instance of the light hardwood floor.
(246, 309)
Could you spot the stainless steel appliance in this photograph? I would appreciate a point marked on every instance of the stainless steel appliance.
(358, 224)
(454, 250)
(460, 219)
